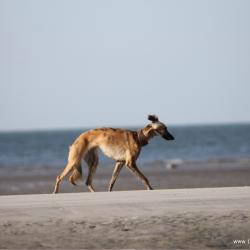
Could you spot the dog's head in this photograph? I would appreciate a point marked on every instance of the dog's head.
(159, 128)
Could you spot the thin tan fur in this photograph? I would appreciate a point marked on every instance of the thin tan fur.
(122, 145)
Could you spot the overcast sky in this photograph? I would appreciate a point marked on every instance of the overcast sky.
(77, 64)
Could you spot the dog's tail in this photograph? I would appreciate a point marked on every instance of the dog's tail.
(77, 174)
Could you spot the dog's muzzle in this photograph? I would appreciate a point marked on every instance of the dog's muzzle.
(168, 137)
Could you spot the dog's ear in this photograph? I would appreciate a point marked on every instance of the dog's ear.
(153, 118)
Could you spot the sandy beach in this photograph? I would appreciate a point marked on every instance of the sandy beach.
(192, 206)
(160, 219)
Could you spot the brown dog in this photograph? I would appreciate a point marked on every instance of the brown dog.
(124, 146)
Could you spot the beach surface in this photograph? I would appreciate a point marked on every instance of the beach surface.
(194, 205)
(160, 219)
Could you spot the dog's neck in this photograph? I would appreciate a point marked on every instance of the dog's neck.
(148, 132)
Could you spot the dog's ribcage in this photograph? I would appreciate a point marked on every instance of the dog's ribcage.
(116, 153)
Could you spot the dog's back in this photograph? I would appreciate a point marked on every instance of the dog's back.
(114, 143)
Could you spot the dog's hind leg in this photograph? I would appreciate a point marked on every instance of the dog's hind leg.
(70, 167)
(74, 163)
(92, 159)
(132, 166)
(117, 170)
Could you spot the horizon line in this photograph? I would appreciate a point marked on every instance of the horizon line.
(116, 126)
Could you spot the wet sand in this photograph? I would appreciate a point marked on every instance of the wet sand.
(184, 175)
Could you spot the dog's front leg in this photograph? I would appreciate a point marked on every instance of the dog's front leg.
(132, 166)
(117, 170)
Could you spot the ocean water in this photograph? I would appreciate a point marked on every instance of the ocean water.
(192, 143)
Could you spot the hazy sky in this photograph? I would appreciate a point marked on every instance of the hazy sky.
(73, 64)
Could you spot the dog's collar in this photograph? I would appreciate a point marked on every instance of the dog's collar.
(142, 138)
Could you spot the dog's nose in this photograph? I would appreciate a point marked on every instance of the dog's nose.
(170, 137)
